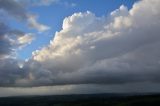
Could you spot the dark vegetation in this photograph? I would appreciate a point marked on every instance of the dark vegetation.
(83, 100)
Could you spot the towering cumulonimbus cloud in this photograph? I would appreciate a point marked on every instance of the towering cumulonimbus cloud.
(121, 48)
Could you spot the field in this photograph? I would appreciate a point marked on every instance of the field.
(83, 100)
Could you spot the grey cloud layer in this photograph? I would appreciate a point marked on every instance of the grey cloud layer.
(118, 49)
(81, 89)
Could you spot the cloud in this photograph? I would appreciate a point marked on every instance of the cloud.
(106, 50)
(18, 10)
(11, 39)
(67, 4)
(42, 2)
(32, 23)
(5, 48)
(10, 72)
(80, 89)
(48, 3)
(14, 8)
(25, 39)
(122, 48)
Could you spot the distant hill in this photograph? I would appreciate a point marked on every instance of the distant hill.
(84, 100)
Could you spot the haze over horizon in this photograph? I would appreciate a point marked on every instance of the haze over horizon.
(76, 47)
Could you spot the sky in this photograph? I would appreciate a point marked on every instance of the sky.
(55, 11)
(79, 46)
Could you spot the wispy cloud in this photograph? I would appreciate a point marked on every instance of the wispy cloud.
(68, 5)
(36, 3)
(32, 23)
(42, 2)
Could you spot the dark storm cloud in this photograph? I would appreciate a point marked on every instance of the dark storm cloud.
(10, 71)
